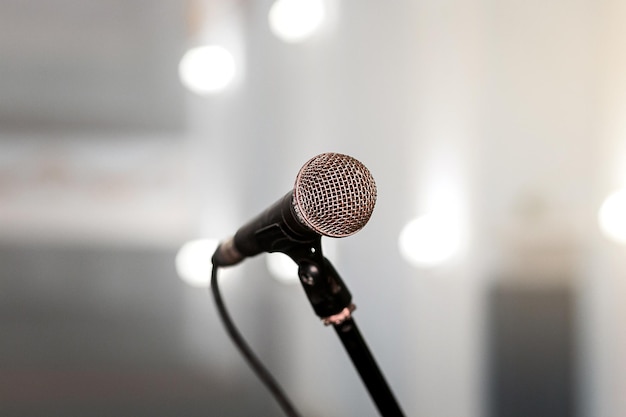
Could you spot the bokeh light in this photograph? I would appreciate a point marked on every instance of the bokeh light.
(612, 217)
(429, 240)
(206, 69)
(282, 268)
(193, 262)
(296, 20)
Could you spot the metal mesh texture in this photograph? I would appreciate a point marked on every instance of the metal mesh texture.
(334, 195)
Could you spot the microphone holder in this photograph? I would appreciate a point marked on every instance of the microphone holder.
(332, 302)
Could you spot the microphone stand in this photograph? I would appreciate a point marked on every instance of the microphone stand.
(332, 302)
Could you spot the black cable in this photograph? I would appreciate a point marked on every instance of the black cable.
(256, 365)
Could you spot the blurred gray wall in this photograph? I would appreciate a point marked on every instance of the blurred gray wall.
(107, 166)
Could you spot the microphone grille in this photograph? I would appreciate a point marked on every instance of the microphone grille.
(334, 195)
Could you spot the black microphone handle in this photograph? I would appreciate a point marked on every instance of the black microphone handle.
(277, 229)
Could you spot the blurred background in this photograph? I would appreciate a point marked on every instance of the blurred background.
(489, 282)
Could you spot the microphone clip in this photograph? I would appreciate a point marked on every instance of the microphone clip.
(330, 298)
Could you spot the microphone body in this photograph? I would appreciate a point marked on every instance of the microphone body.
(334, 195)
(277, 229)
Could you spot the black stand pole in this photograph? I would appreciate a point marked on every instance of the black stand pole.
(365, 364)
(332, 302)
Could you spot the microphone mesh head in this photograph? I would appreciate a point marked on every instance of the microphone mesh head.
(334, 195)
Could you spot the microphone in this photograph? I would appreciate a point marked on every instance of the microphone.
(334, 195)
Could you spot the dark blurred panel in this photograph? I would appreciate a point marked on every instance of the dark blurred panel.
(531, 351)
(96, 331)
